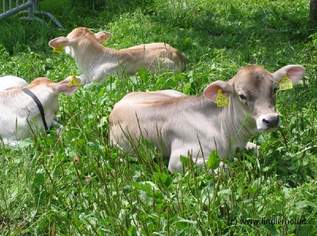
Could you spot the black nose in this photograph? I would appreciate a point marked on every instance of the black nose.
(272, 121)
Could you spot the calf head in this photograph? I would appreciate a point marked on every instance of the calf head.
(79, 38)
(66, 86)
(254, 89)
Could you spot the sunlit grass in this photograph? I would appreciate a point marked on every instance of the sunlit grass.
(76, 183)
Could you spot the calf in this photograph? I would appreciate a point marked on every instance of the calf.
(183, 124)
(33, 107)
(96, 62)
(10, 81)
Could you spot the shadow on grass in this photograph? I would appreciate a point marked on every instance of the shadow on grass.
(261, 30)
(194, 31)
(17, 35)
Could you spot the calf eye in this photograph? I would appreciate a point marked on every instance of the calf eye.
(243, 97)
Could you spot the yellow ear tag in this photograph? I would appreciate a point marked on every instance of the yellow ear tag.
(74, 81)
(59, 49)
(285, 83)
(221, 99)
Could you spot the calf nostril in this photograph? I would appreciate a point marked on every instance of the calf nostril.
(265, 121)
(272, 121)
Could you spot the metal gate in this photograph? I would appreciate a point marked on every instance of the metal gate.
(12, 7)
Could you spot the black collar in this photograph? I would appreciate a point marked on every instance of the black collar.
(39, 106)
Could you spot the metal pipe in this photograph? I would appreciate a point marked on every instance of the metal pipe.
(4, 6)
(31, 8)
(28, 6)
(16, 10)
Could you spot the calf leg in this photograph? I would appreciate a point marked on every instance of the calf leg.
(175, 163)
(104, 71)
(163, 64)
(195, 153)
(199, 156)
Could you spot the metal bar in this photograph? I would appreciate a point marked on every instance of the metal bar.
(51, 17)
(4, 6)
(31, 8)
(28, 6)
(15, 10)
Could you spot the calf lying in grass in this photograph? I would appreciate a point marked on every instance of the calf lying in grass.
(11, 81)
(30, 108)
(96, 62)
(224, 118)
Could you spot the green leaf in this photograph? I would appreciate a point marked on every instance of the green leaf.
(304, 204)
(213, 160)
(163, 178)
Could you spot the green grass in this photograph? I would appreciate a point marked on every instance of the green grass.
(77, 184)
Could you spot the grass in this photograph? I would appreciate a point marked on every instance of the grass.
(77, 184)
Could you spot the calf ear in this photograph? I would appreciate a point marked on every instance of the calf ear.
(102, 36)
(294, 72)
(212, 89)
(66, 86)
(59, 42)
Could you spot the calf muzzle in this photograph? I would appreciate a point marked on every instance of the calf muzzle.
(268, 121)
(271, 121)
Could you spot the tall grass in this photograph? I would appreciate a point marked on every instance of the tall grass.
(76, 183)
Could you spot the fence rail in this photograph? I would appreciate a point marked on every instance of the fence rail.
(12, 7)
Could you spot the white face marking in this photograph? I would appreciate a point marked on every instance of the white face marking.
(68, 50)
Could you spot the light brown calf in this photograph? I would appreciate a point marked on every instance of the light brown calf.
(96, 62)
(195, 124)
